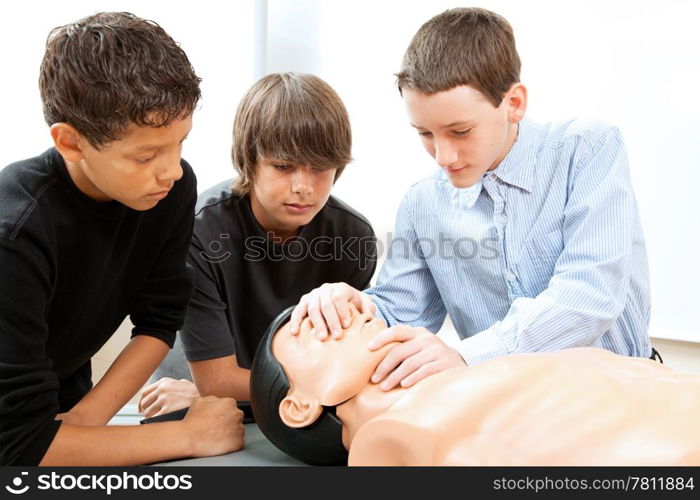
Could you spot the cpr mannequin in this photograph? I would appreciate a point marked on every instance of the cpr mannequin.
(581, 406)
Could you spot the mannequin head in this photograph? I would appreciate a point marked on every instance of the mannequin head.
(298, 380)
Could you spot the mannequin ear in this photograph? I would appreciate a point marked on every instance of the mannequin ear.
(297, 410)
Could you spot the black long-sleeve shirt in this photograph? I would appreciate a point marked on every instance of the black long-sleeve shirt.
(71, 270)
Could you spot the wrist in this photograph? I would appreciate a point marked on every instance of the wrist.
(78, 416)
(186, 438)
(461, 362)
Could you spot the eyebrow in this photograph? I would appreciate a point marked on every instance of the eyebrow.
(460, 122)
(153, 147)
(450, 125)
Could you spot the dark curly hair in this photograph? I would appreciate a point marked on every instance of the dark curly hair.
(112, 69)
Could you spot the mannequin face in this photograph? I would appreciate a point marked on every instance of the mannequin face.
(325, 373)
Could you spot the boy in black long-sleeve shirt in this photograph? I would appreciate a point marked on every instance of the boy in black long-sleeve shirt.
(92, 230)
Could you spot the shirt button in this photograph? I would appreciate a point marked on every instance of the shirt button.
(511, 276)
(503, 218)
(493, 177)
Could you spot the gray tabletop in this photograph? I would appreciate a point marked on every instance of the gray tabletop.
(257, 450)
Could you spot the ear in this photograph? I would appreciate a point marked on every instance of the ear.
(516, 100)
(298, 410)
(68, 141)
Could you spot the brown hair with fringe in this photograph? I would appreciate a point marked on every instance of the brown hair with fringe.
(290, 117)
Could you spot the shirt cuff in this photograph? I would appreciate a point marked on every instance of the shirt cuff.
(379, 305)
(167, 336)
(481, 347)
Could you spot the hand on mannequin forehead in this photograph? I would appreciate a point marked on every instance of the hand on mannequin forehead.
(418, 353)
(581, 406)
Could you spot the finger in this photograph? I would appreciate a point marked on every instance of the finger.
(297, 315)
(367, 304)
(151, 410)
(330, 314)
(149, 389)
(392, 359)
(430, 368)
(342, 307)
(315, 315)
(399, 333)
(408, 366)
(149, 399)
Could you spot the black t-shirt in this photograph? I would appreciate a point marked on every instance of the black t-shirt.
(71, 270)
(243, 279)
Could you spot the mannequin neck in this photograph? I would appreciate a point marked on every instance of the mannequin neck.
(367, 404)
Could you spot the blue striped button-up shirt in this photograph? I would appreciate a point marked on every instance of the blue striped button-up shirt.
(545, 252)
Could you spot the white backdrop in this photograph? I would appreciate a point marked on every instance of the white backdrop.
(633, 63)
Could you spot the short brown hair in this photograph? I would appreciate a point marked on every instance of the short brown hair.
(291, 117)
(463, 46)
(106, 71)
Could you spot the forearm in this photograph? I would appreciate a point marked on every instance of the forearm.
(222, 378)
(125, 377)
(117, 445)
(544, 323)
(419, 305)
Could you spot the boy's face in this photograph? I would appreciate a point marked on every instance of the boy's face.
(463, 131)
(285, 196)
(137, 170)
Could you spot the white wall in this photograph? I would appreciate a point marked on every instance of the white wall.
(633, 63)
(217, 37)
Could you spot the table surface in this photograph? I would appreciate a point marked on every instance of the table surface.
(258, 451)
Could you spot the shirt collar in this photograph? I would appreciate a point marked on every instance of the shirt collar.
(517, 168)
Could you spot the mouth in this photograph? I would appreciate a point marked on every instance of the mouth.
(454, 170)
(158, 195)
(298, 208)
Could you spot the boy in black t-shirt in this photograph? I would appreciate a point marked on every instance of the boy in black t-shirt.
(276, 234)
(92, 230)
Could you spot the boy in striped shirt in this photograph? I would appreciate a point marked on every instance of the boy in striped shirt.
(528, 236)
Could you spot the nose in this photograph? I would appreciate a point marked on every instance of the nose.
(301, 180)
(445, 153)
(171, 170)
